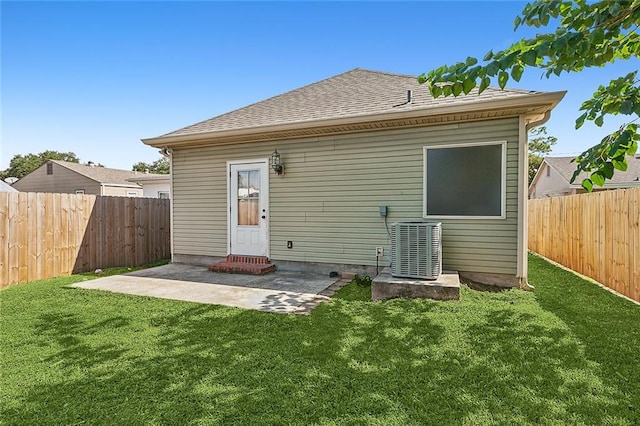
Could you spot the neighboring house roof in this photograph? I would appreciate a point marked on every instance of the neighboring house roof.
(5, 187)
(150, 178)
(356, 96)
(103, 175)
(565, 168)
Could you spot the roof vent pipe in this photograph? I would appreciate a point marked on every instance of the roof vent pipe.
(408, 101)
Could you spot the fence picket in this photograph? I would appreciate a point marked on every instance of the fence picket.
(32, 236)
(12, 246)
(4, 236)
(634, 245)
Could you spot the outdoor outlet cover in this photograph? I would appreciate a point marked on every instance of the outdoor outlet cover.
(289, 244)
(379, 251)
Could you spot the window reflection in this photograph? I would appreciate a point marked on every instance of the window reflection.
(248, 197)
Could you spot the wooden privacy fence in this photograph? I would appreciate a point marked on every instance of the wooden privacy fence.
(48, 235)
(597, 235)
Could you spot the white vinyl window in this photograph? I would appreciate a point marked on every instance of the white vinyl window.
(465, 181)
(132, 194)
(79, 191)
(163, 194)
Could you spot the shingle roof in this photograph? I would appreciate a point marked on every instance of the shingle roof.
(101, 174)
(5, 187)
(150, 177)
(354, 93)
(566, 168)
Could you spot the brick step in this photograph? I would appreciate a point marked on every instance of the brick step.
(236, 258)
(251, 265)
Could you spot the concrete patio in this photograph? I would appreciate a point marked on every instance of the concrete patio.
(281, 292)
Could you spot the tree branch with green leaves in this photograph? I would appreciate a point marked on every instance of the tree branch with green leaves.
(587, 35)
(540, 144)
(160, 166)
(21, 165)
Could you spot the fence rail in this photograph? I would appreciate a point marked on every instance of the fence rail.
(597, 235)
(46, 235)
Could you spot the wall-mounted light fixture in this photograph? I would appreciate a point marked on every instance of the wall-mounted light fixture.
(275, 163)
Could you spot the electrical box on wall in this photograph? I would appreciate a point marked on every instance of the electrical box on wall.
(383, 211)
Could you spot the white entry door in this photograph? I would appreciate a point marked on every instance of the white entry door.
(249, 204)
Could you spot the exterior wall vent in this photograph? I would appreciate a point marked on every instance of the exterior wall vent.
(416, 250)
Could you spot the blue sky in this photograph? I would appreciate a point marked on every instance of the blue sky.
(96, 77)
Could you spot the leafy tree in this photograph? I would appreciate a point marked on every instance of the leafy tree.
(22, 165)
(539, 144)
(587, 35)
(160, 166)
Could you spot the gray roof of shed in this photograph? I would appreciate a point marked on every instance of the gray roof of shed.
(566, 168)
(353, 93)
(103, 175)
(5, 187)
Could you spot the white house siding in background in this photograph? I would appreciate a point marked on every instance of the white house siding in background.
(550, 183)
(153, 186)
(155, 190)
(121, 191)
(5, 187)
(327, 203)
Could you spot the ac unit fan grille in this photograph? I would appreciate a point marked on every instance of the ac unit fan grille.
(416, 250)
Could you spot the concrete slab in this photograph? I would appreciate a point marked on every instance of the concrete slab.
(385, 286)
(280, 292)
(294, 281)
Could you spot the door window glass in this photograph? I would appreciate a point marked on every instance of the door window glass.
(248, 197)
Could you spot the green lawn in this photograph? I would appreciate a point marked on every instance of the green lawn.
(567, 352)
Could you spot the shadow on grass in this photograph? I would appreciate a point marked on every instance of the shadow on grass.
(490, 358)
(288, 302)
(225, 366)
(607, 326)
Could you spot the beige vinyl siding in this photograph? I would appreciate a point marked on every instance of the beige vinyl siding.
(62, 180)
(327, 202)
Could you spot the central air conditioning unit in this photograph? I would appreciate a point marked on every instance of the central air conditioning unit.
(416, 250)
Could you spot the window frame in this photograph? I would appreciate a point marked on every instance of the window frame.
(503, 180)
(132, 194)
(168, 195)
(79, 191)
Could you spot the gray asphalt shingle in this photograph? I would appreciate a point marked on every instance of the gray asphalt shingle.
(354, 93)
(566, 168)
(101, 174)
